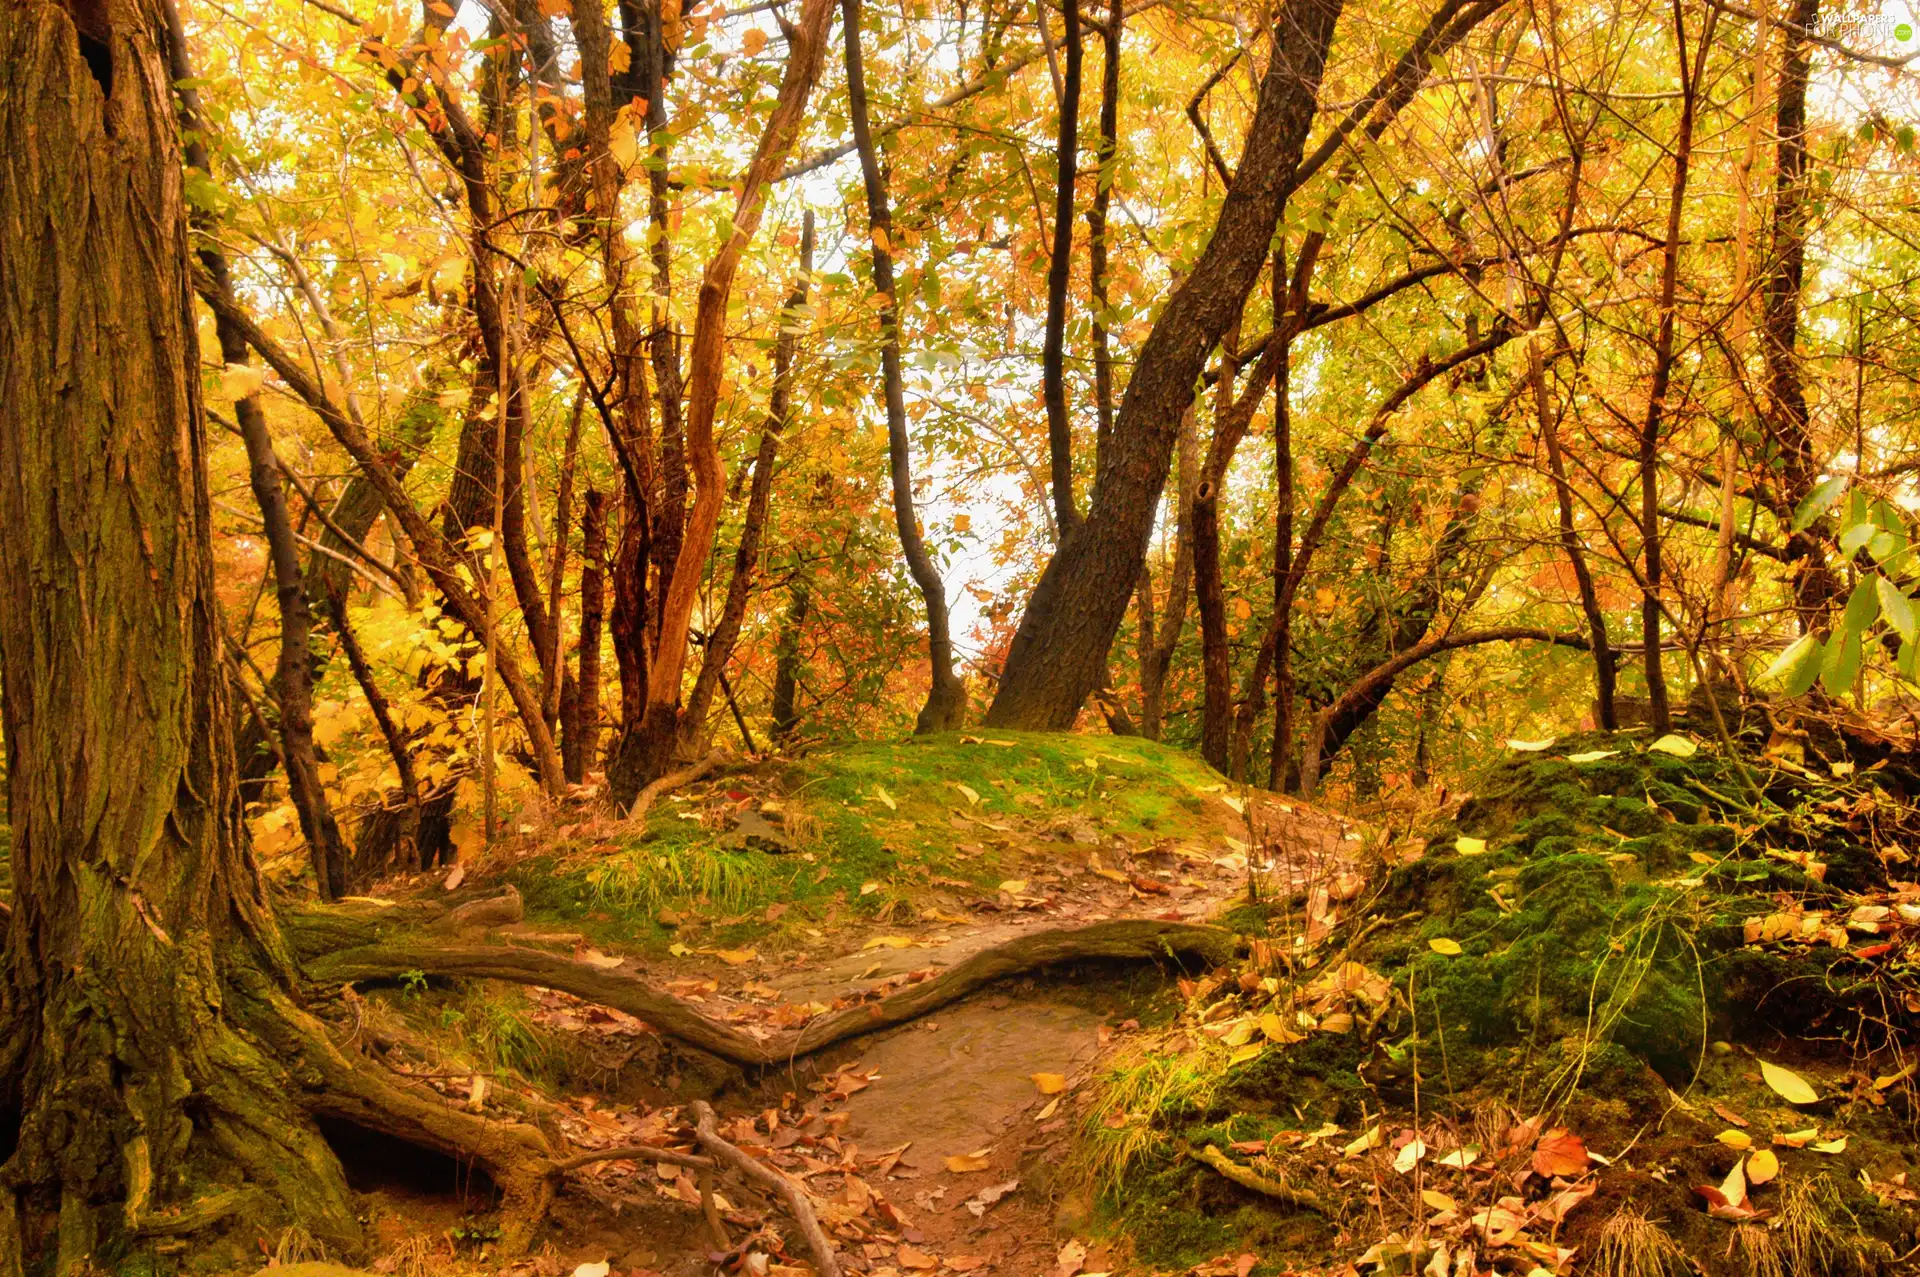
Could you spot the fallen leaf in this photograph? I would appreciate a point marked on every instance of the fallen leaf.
(1532, 746)
(1409, 1155)
(595, 958)
(915, 1258)
(1241, 1054)
(881, 793)
(1762, 1166)
(1677, 745)
(1437, 1199)
(1788, 1085)
(593, 1270)
(1592, 756)
(1443, 945)
(1460, 1158)
(736, 957)
(1830, 1146)
(1050, 1083)
(1560, 1152)
(1372, 1139)
(888, 942)
(977, 1204)
(1891, 1079)
(1470, 846)
(1070, 1260)
(969, 793)
(1014, 886)
(1735, 1139)
(1797, 1139)
(966, 1163)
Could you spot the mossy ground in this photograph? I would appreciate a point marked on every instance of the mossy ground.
(876, 830)
(1602, 976)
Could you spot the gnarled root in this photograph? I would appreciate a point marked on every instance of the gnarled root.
(1129, 939)
(789, 1192)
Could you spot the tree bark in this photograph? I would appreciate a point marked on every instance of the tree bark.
(1109, 147)
(647, 752)
(580, 716)
(1814, 583)
(1690, 77)
(1053, 355)
(139, 927)
(786, 663)
(946, 703)
(746, 559)
(1059, 651)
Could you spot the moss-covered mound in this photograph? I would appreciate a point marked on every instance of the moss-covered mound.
(871, 830)
(1614, 937)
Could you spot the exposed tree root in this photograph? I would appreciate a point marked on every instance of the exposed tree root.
(1128, 939)
(673, 780)
(794, 1195)
(1247, 1177)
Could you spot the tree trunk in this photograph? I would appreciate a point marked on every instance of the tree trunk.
(1059, 651)
(946, 703)
(786, 664)
(646, 753)
(580, 713)
(1053, 355)
(746, 559)
(1814, 583)
(140, 927)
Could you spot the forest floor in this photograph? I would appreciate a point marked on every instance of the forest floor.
(1634, 1008)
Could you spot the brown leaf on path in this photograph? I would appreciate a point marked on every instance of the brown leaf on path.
(915, 1258)
(1071, 1259)
(1728, 1115)
(966, 1163)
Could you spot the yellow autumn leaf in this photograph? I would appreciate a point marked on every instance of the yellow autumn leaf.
(1470, 846)
(1735, 1139)
(736, 957)
(753, 41)
(1014, 886)
(965, 1163)
(888, 942)
(969, 793)
(1836, 1146)
(1240, 1034)
(1762, 1166)
(1437, 1199)
(1277, 1030)
(1443, 945)
(1891, 1079)
(1050, 1083)
(1242, 1054)
(880, 792)
(1787, 1084)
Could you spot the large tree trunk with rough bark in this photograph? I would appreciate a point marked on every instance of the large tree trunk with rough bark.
(139, 932)
(154, 1053)
(1059, 653)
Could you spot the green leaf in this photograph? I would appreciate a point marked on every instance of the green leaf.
(1800, 664)
(1819, 501)
(1863, 608)
(1896, 607)
(1884, 546)
(1856, 536)
(1908, 660)
(1841, 662)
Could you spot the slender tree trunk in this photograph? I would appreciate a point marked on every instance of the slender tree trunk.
(647, 753)
(1059, 651)
(786, 662)
(1661, 381)
(946, 704)
(1053, 358)
(293, 672)
(1165, 638)
(1109, 147)
(746, 559)
(1814, 583)
(580, 719)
